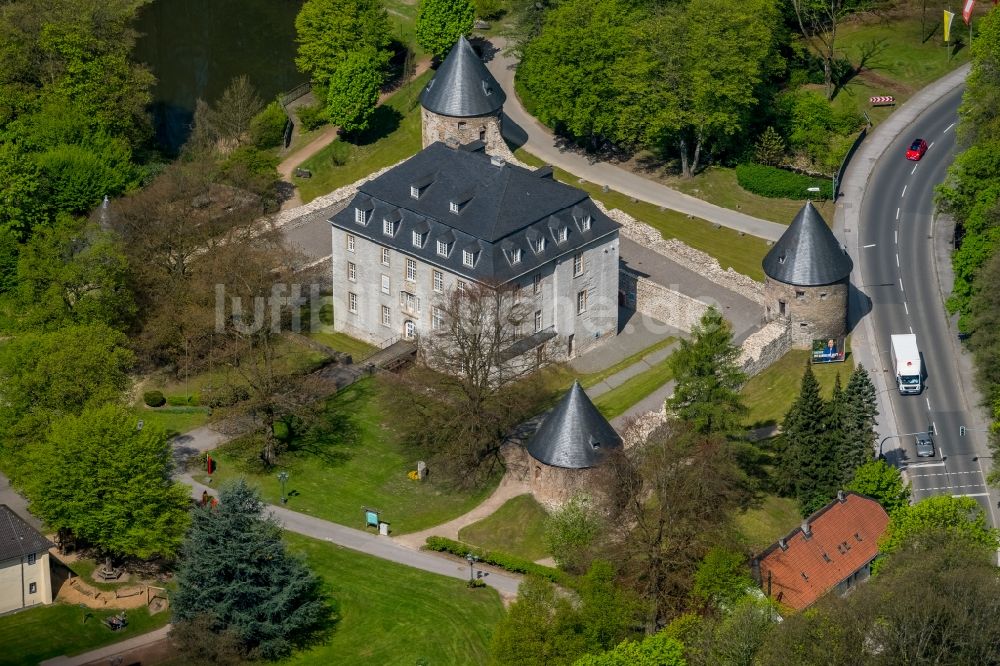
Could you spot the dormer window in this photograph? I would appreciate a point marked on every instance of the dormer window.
(563, 234)
(515, 255)
(418, 239)
(453, 207)
(539, 244)
(469, 258)
(487, 88)
(442, 248)
(414, 192)
(585, 223)
(388, 228)
(360, 216)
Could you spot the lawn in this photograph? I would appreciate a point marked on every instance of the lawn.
(359, 463)
(343, 343)
(517, 527)
(741, 253)
(394, 136)
(718, 185)
(44, 632)
(561, 376)
(620, 399)
(770, 394)
(393, 614)
(772, 518)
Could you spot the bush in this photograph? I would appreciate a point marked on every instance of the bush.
(183, 400)
(499, 559)
(154, 399)
(312, 116)
(267, 129)
(227, 396)
(781, 184)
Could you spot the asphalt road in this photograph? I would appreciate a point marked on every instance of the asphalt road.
(898, 245)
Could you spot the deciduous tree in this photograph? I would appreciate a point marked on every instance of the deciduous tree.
(354, 89)
(441, 22)
(722, 579)
(237, 579)
(330, 29)
(883, 482)
(571, 531)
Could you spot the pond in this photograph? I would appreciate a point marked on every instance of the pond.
(196, 47)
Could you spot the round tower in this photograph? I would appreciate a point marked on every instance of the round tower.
(807, 280)
(463, 102)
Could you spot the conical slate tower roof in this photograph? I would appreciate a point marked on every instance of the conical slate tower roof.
(462, 86)
(808, 253)
(574, 434)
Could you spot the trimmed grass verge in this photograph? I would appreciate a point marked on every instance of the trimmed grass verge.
(620, 399)
(343, 343)
(517, 527)
(359, 463)
(772, 518)
(36, 634)
(741, 253)
(394, 614)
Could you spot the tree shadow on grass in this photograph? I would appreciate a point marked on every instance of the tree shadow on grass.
(385, 120)
(335, 434)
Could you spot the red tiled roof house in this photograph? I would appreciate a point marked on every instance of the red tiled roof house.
(833, 549)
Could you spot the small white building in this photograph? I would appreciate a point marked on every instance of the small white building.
(25, 575)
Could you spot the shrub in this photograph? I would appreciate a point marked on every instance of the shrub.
(340, 153)
(312, 116)
(503, 560)
(267, 129)
(777, 183)
(227, 396)
(183, 400)
(154, 399)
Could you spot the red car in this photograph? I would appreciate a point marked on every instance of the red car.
(916, 150)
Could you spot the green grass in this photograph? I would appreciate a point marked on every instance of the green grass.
(770, 394)
(771, 519)
(40, 633)
(560, 376)
(718, 185)
(394, 614)
(360, 463)
(403, 18)
(517, 528)
(395, 135)
(741, 253)
(621, 398)
(173, 420)
(343, 343)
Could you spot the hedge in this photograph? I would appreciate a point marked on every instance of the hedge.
(183, 400)
(154, 399)
(500, 559)
(768, 181)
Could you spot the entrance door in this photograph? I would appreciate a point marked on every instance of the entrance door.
(569, 346)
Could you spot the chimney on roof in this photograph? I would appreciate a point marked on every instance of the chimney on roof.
(497, 161)
(782, 544)
(841, 496)
(452, 142)
(806, 532)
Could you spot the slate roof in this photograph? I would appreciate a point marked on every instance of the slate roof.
(502, 207)
(462, 86)
(807, 254)
(844, 538)
(18, 538)
(574, 435)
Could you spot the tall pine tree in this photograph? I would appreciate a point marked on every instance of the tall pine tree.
(237, 581)
(808, 464)
(707, 392)
(858, 425)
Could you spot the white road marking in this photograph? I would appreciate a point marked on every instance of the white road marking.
(906, 308)
(895, 236)
(927, 464)
(872, 245)
(897, 213)
(973, 495)
(901, 284)
(914, 169)
(911, 329)
(897, 260)
(904, 192)
(930, 146)
(934, 426)
(948, 128)
(928, 403)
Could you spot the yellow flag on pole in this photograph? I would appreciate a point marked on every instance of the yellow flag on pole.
(948, 17)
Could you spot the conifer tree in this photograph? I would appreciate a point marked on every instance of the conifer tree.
(858, 425)
(707, 392)
(237, 580)
(809, 462)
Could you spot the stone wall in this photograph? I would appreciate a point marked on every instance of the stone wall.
(434, 127)
(813, 313)
(659, 302)
(765, 347)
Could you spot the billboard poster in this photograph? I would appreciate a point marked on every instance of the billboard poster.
(828, 350)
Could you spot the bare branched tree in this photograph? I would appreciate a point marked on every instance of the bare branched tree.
(818, 21)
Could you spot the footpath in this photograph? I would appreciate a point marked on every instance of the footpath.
(519, 127)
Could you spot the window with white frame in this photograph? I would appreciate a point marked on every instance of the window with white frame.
(585, 223)
(411, 270)
(578, 264)
(581, 302)
(563, 234)
(351, 241)
(515, 255)
(453, 207)
(32, 588)
(536, 283)
(414, 192)
(386, 316)
(438, 281)
(352, 302)
(418, 239)
(352, 271)
(388, 228)
(468, 258)
(538, 320)
(385, 284)
(437, 318)
(539, 244)
(360, 216)
(31, 558)
(409, 302)
(442, 248)
(461, 287)
(385, 256)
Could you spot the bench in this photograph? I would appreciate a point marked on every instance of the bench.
(882, 100)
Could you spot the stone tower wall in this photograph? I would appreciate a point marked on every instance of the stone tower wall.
(813, 312)
(435, 127)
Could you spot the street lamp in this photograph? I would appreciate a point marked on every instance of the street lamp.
(929, 431)
(471, 559)
(283, 478)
